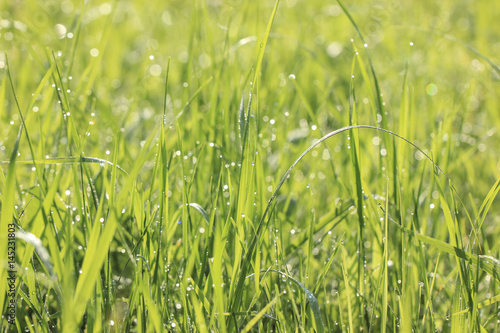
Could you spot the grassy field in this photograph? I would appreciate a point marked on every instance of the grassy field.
(251, 166)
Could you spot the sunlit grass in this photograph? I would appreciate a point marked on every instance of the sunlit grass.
(250, 166)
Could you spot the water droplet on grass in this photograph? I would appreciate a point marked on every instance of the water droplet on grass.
(431, 89)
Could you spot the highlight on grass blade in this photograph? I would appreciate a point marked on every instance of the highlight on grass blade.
(42, 252)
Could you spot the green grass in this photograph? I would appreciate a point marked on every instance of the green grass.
(253, 166)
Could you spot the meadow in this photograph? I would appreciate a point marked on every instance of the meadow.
(249, 166)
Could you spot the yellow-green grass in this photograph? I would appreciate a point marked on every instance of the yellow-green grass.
(254, 166)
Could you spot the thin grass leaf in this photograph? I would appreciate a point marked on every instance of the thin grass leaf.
(242, 121)
(378, 96)
(199, 315)
(488, 264)
(488, 302)
(238, 287)
(152, 310)
(311, 299)
(197, 92)
(69, 160)
(454, 39)
(487, 202)
(327, 267)
(102, 240)
(262, 46)
(385, 273)
(200, 210)
(260, 314)
(264, 218)
(6, 218)
(347, 284)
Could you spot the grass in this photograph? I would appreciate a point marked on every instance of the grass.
(253, 166)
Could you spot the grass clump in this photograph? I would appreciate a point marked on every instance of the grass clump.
(251, 166)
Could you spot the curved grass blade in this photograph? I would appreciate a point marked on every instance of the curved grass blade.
(69, 160)
(311, 299)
